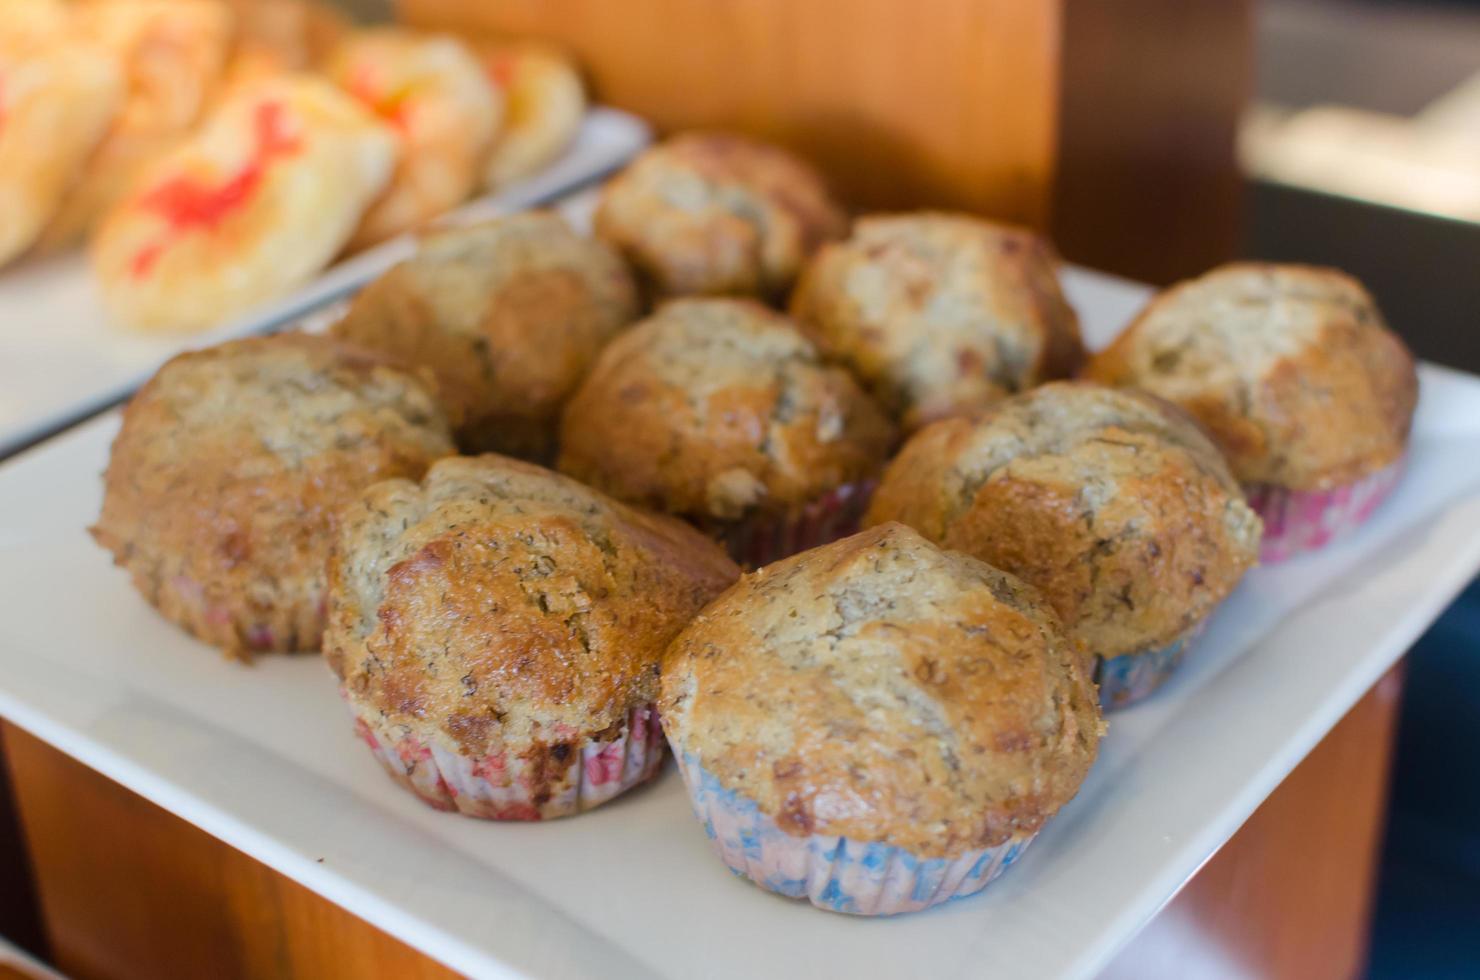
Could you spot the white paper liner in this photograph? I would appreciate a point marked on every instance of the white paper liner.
(510, 785)
(834, 873)
(1304, 520)
(1132, 677)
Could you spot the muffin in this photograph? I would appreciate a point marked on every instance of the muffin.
(1293, 371)
(939, 314)
(254, 203)
(432, 92)
(509, 314)
(878, 725)
(497, 632)
(221, 490)
(717, 214)
(546, 102)
(719, 411)
(1114, 505)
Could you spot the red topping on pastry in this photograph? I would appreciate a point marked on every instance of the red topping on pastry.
(366, 85)
(501, 69)
(186, 204)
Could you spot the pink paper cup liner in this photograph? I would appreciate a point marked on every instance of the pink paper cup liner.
(764, 538)
(1133, 677)
(1304, 520)
(552, 781)
(838, 874)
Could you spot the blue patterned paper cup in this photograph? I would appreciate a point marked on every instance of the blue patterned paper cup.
(1132, 677)
(834, 873)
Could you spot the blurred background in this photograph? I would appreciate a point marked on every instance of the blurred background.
(1362, 150)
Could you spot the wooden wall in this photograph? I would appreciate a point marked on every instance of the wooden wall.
(1109, 123)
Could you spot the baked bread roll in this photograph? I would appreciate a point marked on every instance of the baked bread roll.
(173, 55)
(57, 99)
(260, 199)
(432, 92)
(545, 102)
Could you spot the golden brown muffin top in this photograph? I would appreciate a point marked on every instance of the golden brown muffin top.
(501, 601)
(882, 689)
(717, 214)
(509, 314)
(716, 408)
(1291, 368)
(1114, 505)
(940, 313)
(232, 460)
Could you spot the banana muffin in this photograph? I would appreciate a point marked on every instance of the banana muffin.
(1297, 377)
(221, 490)
(878, 725)
(720, 411)
(940, 313)
(509, 314)
(717, 214)
(1113, 504)
(497, 631)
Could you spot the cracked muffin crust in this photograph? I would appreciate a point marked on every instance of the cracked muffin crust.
(717, 214)
(223, 482)
(939, 313)
(719, 408)
(500, 610)
(1291, 368)
(884, 690)
(509, 314)
(1114, 505)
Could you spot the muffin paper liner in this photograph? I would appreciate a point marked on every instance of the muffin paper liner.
(506, 785)
(1304, 520)
(238, 629)
(763, 538)
(834, 873)
(1131, 677)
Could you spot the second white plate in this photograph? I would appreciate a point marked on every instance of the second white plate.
(61, 360)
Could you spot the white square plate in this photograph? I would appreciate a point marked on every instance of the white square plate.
(264, 758)
(61, 360)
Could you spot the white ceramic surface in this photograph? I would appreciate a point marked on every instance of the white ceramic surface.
(263, 757)
(60, 359)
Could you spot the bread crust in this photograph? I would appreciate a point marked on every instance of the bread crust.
(1291, 368)
(717, 214)
(546, 103)
(719, 408)
(882, 689)
(940, 313)
(252, 203)
(508, 314)
(221, 491)
(508, 605)
(1114, 505)
(431, 90)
